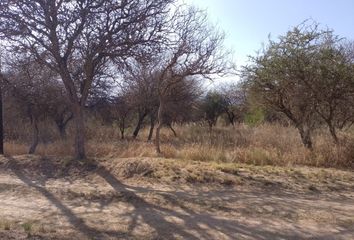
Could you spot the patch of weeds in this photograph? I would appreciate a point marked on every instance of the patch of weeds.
(313, 188)
(228, 168)
(229, 182)
(297, 174)
(41, 229)
(66, 162)
(130, 169)
(5, 225)
(347, 223)
(28, 227)
(260, 157)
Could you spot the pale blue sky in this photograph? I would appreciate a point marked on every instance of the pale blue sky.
(247, 23)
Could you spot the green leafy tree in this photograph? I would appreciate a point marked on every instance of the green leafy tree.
(306, 75)
(213, 106)
(278, 77)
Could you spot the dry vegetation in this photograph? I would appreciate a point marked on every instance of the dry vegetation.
(266, 144)
(159, 198)
(86, 83)
(242, 183)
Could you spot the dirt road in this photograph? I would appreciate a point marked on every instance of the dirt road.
(101, 205)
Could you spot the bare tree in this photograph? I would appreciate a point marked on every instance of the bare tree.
(32, 87)
(122, 111)
(77, 38)
(141, 88)
(195, 50)
(234, 102)
(59, 109)
(2, 80)
(180, 103)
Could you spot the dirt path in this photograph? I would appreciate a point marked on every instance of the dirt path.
(102, 206)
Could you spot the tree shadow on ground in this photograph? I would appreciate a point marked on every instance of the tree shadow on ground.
(194, 225)
(181, 221)
(77, 222)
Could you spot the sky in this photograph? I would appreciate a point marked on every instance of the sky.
(247, 23)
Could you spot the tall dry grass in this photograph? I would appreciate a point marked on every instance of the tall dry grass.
(267, 144)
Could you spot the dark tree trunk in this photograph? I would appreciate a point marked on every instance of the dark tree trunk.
(122, 128)
(1, 110)
(122, 133)
(305, 135)
(139, 124)
(152, 126)
(231, 116)
(159, 124)
(333, 132)
(62, 130)
(35, 136)
(79, 144)
(61, 124)
(210, 133)
(1, 123)
(174, 132)
(77, 109)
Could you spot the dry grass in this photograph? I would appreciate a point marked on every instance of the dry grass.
(182, 172)
(267, 144)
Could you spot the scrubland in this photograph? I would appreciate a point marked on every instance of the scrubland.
(238, 182)
(265, 144)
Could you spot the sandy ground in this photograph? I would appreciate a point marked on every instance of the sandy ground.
(101, 205)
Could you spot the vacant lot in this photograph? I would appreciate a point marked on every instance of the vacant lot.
(152, 198)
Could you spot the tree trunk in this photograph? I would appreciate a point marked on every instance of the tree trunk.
(305, 135)
(152, 126)
(231, 117)
(1, 122)
(35, 136)
(139, 124)
(61, 123)
(210, 133)
(333, 132)
(159, 124)
(79, 123)
(174, 132)
(122, 128)
(122, 133)
(62, 130)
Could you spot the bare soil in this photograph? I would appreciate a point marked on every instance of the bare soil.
(48, 198)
